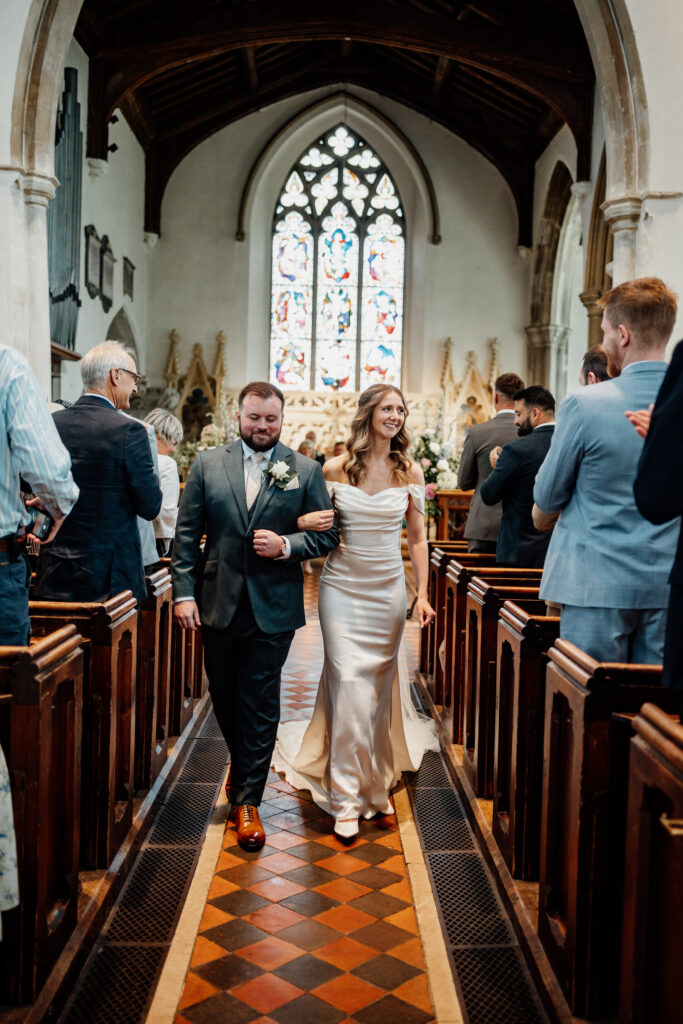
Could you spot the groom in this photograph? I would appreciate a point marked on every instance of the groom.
(245, 588)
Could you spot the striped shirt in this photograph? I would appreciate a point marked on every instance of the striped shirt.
(30, 447)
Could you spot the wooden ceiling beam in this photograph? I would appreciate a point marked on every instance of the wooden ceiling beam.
(250, 69)
(508, 154)
(441, 71)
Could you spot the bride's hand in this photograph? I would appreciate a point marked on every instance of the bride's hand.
(316, 521)
(425, 612)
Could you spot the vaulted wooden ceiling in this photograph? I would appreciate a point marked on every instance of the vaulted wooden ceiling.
(502, 74)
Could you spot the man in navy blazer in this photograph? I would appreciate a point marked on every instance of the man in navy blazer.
(659, 496)
(512, 480)
(606, 565)
(97, 553)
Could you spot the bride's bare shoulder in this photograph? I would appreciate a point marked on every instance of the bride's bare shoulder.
(332, 470)
(415, 474)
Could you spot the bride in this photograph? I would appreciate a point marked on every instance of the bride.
(365, 731)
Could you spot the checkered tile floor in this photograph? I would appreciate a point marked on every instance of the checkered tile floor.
(307, 930)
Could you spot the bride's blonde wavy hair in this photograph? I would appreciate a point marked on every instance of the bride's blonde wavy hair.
(358, 445)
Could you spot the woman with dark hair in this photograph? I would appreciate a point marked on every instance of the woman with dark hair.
(365, 731)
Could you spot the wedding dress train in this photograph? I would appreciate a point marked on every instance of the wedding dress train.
(365, 730)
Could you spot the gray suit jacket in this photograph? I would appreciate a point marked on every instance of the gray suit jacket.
(603, 553)
(483, 522)
(214, 501)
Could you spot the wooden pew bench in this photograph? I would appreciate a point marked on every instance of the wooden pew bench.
(153, 679)
(524, 637)
(439, 554)
(460, 571)
(653, 875)
(41, 704)
(187, 678)
(589, 712)
(484, 600)
(110, 631)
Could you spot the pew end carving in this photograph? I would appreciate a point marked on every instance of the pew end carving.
(589, 712)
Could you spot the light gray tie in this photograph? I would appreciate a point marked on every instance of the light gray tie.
(255, 478)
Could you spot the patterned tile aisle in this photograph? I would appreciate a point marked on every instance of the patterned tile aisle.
(307, 930)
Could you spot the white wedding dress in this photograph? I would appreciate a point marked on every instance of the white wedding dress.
(365, 730)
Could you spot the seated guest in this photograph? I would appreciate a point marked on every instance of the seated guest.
(483, 522)
(313, 441)
(594, 366)
(307, 448)
(511, 481)
(339, 449)
(659, 496)
(168, 431)
(97, 553)
(606, 565)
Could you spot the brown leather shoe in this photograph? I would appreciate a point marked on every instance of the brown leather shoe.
(251, 834)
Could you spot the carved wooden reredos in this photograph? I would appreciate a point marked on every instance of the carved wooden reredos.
(194, 393)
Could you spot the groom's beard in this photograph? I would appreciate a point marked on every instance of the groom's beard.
(259, 442)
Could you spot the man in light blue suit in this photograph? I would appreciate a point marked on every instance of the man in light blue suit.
(606, 565)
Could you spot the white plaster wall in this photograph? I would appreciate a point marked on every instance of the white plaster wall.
(114, 203)
(473, 286)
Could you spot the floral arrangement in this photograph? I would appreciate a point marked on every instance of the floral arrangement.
(222, 429)
(439, 463)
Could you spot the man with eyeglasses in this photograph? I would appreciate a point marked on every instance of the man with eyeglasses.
(97, 552)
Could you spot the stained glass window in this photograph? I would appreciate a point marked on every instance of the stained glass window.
(338, 267)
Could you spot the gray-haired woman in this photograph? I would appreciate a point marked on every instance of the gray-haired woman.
(169, 434)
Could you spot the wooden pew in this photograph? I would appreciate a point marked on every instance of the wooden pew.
(153, 679)
(524, 637)
(653, 883)
(484, 600)
(110, 629)
(187, 681)
(589, 711)
(41, 704)
(439, 553)
(459, 571)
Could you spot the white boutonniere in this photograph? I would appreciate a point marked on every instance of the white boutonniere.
(280, 473)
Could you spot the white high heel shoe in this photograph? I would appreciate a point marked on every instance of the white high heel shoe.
(346, 829)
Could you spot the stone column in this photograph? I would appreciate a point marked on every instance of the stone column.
(13, 293)
(547, 356)
(38, 191)
(623, 216)
(590, 301)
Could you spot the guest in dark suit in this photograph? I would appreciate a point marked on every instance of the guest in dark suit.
(483, 522)
(659, 496)
(97, 552)
(245, 589)
(512, 480)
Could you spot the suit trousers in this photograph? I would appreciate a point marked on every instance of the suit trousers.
(632, 635)
(243, 665)
(15, 624)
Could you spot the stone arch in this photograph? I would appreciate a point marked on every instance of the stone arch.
(547, 341)
(621, 87)
(599, 253)
(121, 329)
(49, 29)
(282, 133)
(270, 172)
(614, 51)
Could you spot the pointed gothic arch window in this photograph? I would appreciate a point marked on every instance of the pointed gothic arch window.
(338, 268)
